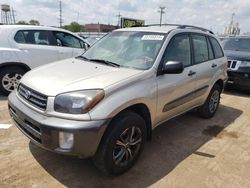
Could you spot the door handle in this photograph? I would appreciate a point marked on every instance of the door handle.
(191, 73)
(214, 65)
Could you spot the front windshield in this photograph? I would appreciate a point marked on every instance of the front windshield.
(237, 44)
(128, 49)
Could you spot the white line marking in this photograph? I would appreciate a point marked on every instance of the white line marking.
(5, 126)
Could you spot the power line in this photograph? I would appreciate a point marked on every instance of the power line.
(161, 11)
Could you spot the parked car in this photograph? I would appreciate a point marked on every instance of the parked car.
(92, 40)
(105, 103)
(237, 50)
(23, 48)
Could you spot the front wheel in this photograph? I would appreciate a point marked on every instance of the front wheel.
(10, 78)
(122, 144)
(211, 105)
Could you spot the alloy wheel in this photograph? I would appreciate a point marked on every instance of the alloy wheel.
(214, 101)
(11, 81)
(127, 146)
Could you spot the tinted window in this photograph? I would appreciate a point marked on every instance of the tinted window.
(179, 50)
(20, 38)
(200, 48)
(237, 44)
(67, 40)
(38, 37)
(217, 48)
(210, 50)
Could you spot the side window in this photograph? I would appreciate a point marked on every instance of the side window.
(210, 50)
(179, 50)
(43, 38)
(217, 48)
(67, 40)
(38, 37)
(200, 48)
(19, 37)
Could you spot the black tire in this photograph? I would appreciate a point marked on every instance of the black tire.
(105, 158)
(206, 111)
(10, 72)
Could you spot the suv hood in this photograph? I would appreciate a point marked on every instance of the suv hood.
(74, 75)
(237, 55)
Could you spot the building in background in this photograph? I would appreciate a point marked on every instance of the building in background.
(99, 27)
(233, 28)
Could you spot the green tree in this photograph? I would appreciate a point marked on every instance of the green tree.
(21, 22)
(34, 22)
(74, 27)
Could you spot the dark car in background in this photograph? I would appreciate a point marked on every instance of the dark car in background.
(237, 50)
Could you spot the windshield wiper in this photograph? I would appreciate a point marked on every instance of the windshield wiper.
(105, 62)
(100, 61)
(82, 57)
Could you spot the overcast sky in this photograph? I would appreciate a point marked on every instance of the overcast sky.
(211, 14)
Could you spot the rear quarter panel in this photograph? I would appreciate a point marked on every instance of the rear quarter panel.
(8, 52)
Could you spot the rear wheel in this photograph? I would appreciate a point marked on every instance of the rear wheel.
(122, 144)
(211, 105)
(10, 78)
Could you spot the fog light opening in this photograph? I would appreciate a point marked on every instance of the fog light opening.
(66, 140)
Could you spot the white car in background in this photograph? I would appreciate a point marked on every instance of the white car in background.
(23, 48)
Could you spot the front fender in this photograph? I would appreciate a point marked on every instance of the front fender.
(140, 92)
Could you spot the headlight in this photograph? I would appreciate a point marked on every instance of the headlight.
(245, 64)
(79, 102)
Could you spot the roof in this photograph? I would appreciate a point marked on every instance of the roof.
(165, 28)
(30, 27)
(157, 29)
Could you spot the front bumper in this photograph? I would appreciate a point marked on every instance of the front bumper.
(44, 131)
(239, 78)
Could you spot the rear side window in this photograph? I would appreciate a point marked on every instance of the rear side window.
(179, 50)
(38, 37)
(210, 50)
(20, 38)
(217, 48)
(200, 48)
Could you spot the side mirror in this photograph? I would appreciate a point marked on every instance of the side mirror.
(86, 46)
(172, 67)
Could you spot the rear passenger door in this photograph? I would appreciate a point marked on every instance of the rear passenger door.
(36, 47)
(206, 65)
(176, 91)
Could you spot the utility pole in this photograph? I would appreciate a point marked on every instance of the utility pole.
(161, 11)
(60, 21)
(119, 18)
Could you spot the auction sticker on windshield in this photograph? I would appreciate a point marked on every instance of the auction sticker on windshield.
(152, 37)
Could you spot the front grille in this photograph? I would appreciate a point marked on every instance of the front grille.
(34, 98)
(27, 127)
(232, 64)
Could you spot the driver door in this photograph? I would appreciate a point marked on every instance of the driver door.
(176, 91)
